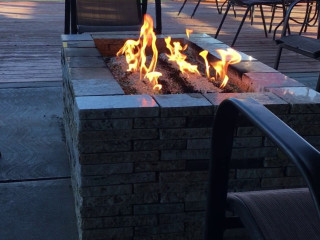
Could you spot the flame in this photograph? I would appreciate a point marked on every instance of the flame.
(135, 53)
(227, 57)
(153, 78)
(188, 32)
(204, 54)
(135, 50)
(178, 57)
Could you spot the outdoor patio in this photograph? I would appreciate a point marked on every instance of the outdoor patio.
(35, 181)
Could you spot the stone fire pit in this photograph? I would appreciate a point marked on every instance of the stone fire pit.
(139, 162)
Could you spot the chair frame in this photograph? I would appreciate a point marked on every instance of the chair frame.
(70, 26)
(303, 155)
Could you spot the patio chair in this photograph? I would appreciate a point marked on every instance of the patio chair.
(105, 16)
(196, 7)
(284, 214)
(307, 46)
(249, 5)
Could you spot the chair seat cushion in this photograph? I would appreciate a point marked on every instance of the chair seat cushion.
(309, 47)
(284, 214)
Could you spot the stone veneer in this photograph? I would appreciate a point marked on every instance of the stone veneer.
(139, 162)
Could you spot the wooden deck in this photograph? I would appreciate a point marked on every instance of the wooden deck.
(30, 40)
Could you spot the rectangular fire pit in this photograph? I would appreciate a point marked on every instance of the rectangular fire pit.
(140, 162)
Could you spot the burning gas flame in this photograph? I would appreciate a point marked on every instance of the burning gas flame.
(221, 67)
(153, 78)
(178, 57)
(188, 32)
(228, 57)
(204, 54)
(135, 52)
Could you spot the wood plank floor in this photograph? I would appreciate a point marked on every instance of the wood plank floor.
(30, 39)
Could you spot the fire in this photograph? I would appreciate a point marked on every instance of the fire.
(221, 67)
(204, 54)
(178, 57)
(188, 32)
(135, 52)
(227, 57)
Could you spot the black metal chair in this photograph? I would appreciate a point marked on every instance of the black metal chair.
(196, 7)
(284, 214)
(249, 5)
(105, 16)
(298, 43)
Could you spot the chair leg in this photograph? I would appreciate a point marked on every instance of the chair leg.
(195, 9)
(318, 84)
(264, 22)
(239, 29)
(276, 64)
(218, 8)
(272, 17)
(182, 6)
(222, 20)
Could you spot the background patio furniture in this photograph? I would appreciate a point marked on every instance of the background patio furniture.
(103, 16)
(296, 42)
(249, 5)
(271, 214)
(196, 7)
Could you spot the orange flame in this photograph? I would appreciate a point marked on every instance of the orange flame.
(204, 54)
(153, 78)
(178, 57)
(188, 32)
(228, 57)
(135, 51)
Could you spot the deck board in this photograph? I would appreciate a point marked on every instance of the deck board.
(30, 38)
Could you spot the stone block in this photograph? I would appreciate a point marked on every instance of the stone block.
(181, 197)
(81, 52)
(105, 124)
(183, 177)
(96, 87)
(160, 166)
(106, 169)
(121, 134)
(90, 73)
(148, 209)
(241, 153)
(239, 142)
(96, 212)
(146, 188)
(283, 182)
(195, 206)
(292, 171)
(183, 105)
(127, 106)
(200, 122)
(185, 133)
(260, 173)
(85, 62)
(199, 143)
(106, 190)
(104, 146)
(301, 99)
(185, 154)
(140, 145)
(120, 200)
(244, 184)
(119, 157)
(174, 122)
(181, 217)
(118, 179)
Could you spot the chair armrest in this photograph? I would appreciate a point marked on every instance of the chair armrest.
(304, 156)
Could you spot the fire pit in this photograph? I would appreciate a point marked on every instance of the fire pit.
(139, 162)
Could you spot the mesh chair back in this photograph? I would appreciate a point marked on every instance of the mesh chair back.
(108, 15)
